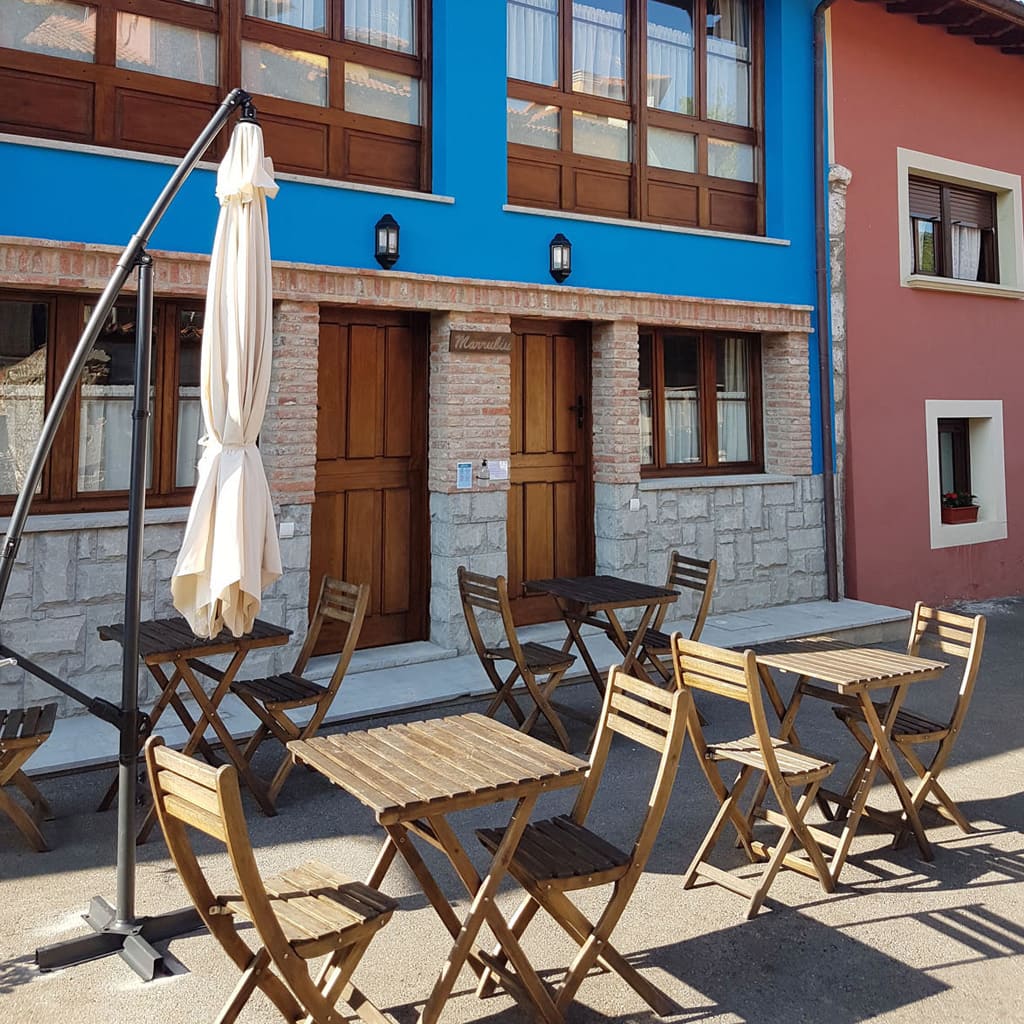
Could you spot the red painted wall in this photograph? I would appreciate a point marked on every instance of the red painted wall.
(897, 83)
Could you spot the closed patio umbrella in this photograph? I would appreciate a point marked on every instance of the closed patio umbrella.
(230, 551)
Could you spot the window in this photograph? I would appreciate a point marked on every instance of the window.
(622, 108)
(89, 464)
(954, 456)
(700, 402)
(954, 231)
(341, 85)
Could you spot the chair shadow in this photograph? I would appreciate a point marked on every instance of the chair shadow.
(15, 972)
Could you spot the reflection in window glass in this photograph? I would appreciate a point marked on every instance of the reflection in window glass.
(533, 40)
(729, 67)
(924, 247)
(733, 392)
(390, 24)
(307, 14)
(670, 60)
(682, 398)
(52, 27)
(171, 51)
(676, 151)
(24, 328)
(646, 402)
(190, 414)
(105, 411)
(287, 74)
(731, 160)
(597, 135)
(599, 48)
(379, 93)
(533, 124)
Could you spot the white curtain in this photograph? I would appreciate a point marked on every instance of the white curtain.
(729, 63)
(682, 425)
(387, 23)
(22, 407)
(190, 429)
(733, 395)
(646, 427)
(105, 437)
(669, 68)
(307, 14)
(599, 51)
(966, 252)
(533, 41)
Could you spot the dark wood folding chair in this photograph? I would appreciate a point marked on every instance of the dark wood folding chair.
(785, 766)
(527, 661)
(22, 732)
(304, 913)
(684, 573)
(560, 855)
(962, 637)
(272, 698)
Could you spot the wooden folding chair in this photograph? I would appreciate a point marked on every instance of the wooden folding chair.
(306, 912)
(684, 573)
(960, 636)
(22, 732)
(786, 767)
(559, 855)
(271, 698)
(528, 661)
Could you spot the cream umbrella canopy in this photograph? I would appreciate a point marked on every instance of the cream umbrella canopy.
(230, 551)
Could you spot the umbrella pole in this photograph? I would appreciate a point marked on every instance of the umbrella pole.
(117, 929)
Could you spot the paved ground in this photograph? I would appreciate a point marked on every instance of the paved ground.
(901, 940)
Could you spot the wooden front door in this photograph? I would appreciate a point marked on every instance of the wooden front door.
(550, 502)
(369, 520)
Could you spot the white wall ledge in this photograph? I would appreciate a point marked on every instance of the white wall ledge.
(680, 483)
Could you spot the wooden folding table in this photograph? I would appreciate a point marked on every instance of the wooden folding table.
(413, 776)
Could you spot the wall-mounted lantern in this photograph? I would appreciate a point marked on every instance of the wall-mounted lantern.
(560, 255)
(386, 241)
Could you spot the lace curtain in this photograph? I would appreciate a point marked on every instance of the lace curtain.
(599, 50)
(966, 252)
(733, 401)
(105, 437)
(669, 68)
(682, 425)
(307, 14)
(533, 41)
(729, 61)
(387, 23)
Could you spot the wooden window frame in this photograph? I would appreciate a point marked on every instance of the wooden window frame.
(635, 110)
(134, 110)
(58, 491)
(709, 464)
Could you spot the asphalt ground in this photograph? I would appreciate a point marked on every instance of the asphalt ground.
(900, 939)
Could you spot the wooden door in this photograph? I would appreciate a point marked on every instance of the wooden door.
(550, 502)
(369, 520)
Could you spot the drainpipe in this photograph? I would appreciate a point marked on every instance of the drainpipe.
(824, 303)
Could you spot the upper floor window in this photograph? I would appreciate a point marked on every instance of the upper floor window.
(340, 84)
(954, 231)
(90, 464)
(667, 129)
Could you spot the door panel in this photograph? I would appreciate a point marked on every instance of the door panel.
(550, 502)
(369, 519)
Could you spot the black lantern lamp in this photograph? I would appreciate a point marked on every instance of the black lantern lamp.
(560, 251)
(386, 241)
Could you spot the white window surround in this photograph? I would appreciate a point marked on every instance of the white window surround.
(988, 474)
(1009, 222)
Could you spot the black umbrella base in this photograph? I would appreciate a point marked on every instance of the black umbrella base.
(132, 940)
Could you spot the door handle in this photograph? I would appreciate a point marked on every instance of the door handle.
(579, 408)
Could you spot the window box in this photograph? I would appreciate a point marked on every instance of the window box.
(965, 514)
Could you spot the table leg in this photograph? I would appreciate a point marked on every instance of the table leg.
(630, 649)
(572, 620)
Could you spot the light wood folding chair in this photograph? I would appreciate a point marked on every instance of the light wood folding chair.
(785, 766)
(560, 855)
(960, 636)
(528, 661)
(307, 912)
(22, 732)
(272, 698)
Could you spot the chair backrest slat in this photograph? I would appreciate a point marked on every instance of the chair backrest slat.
(339, 601)
(490, 594)
(686, 573)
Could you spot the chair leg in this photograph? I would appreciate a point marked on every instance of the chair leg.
(543, 707)
(247, 984)
(726, 812)
(929, 785)
(32, 794)
(23, 822)
(518, 923)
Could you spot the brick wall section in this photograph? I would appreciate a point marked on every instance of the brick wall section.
(787, 398)
(615, 376)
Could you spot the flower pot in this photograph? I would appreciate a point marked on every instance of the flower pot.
(965, 514)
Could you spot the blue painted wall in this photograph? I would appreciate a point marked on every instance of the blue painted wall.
(84, 197)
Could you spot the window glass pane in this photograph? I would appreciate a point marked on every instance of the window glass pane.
(534, 124)
(731, 160)
(674, 150)
(924, 247)
(390, 24)
(682, 398)
(728, 31)
(49, 26)
(670, 60)
(307, 14)
(23, 333)
(947, 476)
(596, 135)
(733, 389)
(190, 415)
(160, 48)
(646, 403)
(105, 413)
(287, 74)
(533, 41)
(378, 93)
(599, 48)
